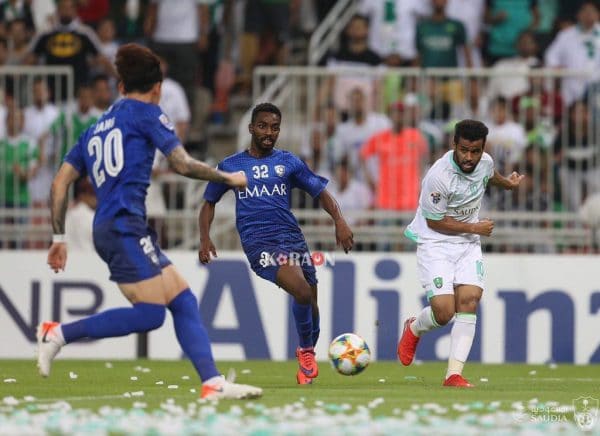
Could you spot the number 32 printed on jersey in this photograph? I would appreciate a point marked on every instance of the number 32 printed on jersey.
(108, 155)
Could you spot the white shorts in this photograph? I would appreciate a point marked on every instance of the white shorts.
(443, 265)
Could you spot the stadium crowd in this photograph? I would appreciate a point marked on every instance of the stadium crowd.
(372, 137)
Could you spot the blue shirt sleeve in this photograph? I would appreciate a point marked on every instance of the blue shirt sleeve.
(159, 130)
(75, 157)
(302, 177)
(214, 191)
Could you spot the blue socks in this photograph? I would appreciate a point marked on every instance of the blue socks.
(192, 335)
(304, 325)
(142, 317)
(316, 329)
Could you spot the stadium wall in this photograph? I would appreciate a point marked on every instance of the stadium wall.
(536, 308)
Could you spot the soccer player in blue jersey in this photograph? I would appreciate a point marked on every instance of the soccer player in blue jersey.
(270, 235)
(117, 153)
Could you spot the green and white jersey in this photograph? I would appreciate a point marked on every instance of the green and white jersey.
(447, 191)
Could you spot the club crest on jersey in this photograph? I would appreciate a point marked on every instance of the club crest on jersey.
(436, 197)
(166, 122)
(279, 170)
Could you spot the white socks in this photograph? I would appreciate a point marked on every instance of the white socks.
(425, 322)
(57, 335)
(461, 339)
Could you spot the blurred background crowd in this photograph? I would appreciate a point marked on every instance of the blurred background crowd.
(378, 104)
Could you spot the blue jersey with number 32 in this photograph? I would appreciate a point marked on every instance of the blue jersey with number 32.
(117, 153)
(263, 212)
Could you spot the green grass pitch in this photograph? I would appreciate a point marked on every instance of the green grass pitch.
(102, 396)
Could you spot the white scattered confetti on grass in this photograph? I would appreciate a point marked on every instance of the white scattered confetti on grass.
(204, 418)
(483, 380)
(246, 371)
(193, 391)
(173, 387)
(133, 378)
(160, 382)
(533, 372)
(145, 370)
(137, 394)
(108, 365)
(72, 375)
(381, 380)
(10, 380)
(28, 398)
(185, 377)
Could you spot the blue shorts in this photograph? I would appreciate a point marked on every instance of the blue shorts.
(266, 260)
(129, 248)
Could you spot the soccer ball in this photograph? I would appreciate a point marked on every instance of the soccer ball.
(349, 354)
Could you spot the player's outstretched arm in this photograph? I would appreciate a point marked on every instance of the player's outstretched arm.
(508, 183)
(343, 234)
(450, 226)
(57, 254)
(205, 219)
(182, 163)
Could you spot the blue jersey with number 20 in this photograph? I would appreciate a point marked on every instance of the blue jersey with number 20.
(117, 153)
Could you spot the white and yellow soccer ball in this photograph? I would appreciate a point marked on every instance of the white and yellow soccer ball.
(349, 354)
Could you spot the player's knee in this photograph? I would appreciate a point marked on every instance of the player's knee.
(443, 316)
(152, 315)
(303, 294)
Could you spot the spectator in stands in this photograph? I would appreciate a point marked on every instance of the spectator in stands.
(11, 10)
(263, 17)
(317, 150)
(513, 80)
(506, 139)
(551, 102)
(18, 42)
(103, 94)
(352, 195)
(539, 129)
(470, 13)
(177, 34)
(475, 105)
(392, 28)
(69, 43)
(44, 14)
(92, 12)
(80, 217)
(106, 34)
(577, 48)
(577, 157)
(174, 104)
(4, 53)
(83, 115)
(19, 161)
(38, 118)
(350, 135)
(354, 52)
(438, 39)
(401, 152)
(506, 20)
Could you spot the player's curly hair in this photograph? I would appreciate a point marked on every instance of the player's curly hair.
(265, 107)
(471, 130)
(138, 68)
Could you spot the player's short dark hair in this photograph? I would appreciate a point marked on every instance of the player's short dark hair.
(265, 107)
(471, 130)
(138, 68)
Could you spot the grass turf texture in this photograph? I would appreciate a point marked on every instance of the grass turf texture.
(400, 387)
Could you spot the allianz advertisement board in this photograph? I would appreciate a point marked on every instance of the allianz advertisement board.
(535, 308)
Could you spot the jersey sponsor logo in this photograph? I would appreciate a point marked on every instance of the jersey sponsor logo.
(295, 258)
(436, 197)
(466, 211)
(279, 170)
(164, 119)
(262, 191)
